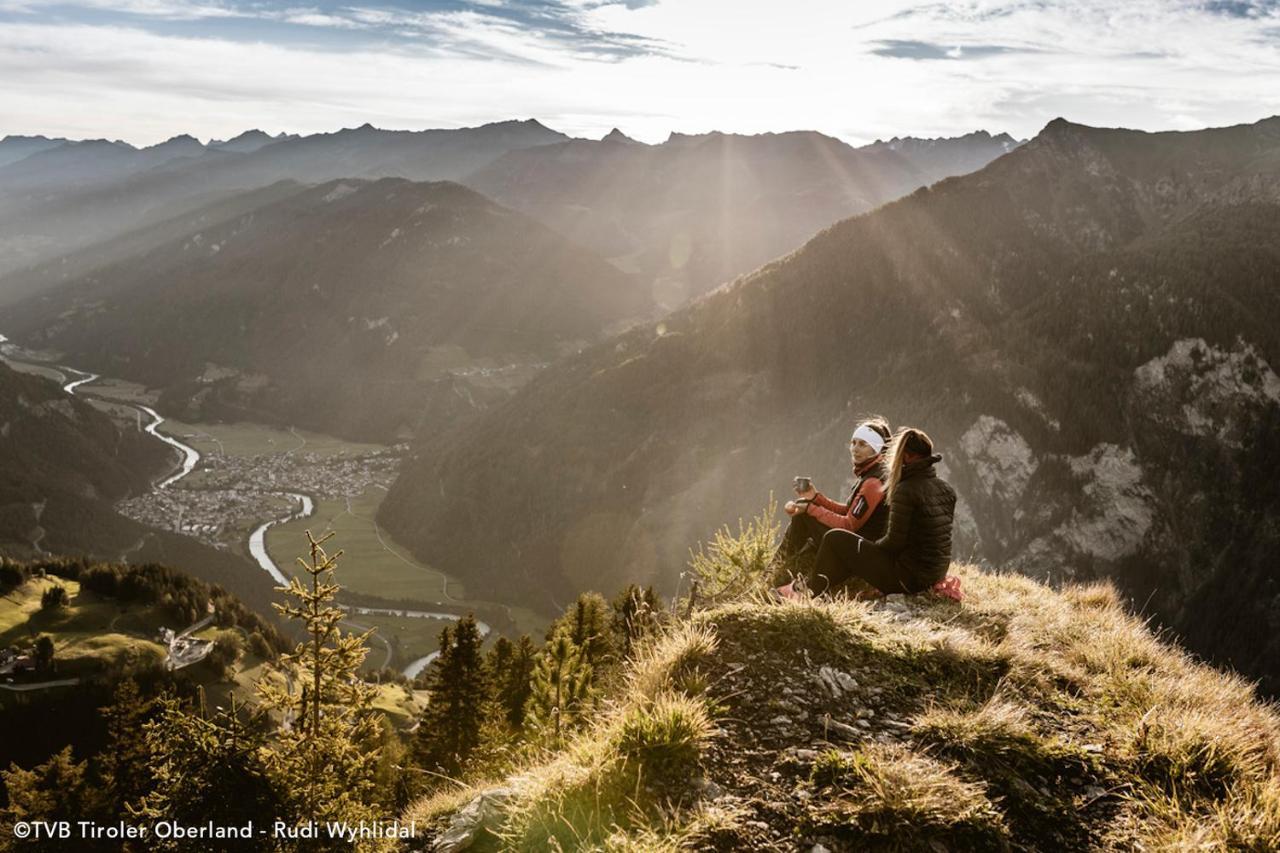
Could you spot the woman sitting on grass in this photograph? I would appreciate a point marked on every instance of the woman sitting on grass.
(915, 551)
(815, 514)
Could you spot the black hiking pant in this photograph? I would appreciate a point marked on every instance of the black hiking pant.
(795, 548)
(844, 557)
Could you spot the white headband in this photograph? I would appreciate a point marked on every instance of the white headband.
(870, 436)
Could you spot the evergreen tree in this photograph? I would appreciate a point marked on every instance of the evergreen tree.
(55, 790)
(124, 766)
(562, 688)
(588, 624)
(212, 768)
(458, 684)
(635, 613)
(325, 757)
(498, 661)
(44, 654)
(513, 679)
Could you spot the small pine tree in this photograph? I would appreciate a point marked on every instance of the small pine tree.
(326, 759)
(514, 683)
(636, 613)
(562, 688)
(588, 623)
(458, 684)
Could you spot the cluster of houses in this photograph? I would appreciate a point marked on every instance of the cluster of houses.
(13, 661)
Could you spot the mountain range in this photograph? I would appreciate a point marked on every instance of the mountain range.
(74, 195)
(672, 212)
(336, 307)
(1086, 326)
(697, 211)
(99, 302)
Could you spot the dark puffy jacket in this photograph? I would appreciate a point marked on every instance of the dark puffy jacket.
(921, 510)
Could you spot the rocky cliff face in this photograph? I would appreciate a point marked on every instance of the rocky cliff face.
(1086, 327)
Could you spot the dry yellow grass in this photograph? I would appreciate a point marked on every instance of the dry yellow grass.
(1019, 682)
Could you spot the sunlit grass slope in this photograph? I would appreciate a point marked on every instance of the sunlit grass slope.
(1023, 718)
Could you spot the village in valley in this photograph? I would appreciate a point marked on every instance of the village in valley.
(230, 493)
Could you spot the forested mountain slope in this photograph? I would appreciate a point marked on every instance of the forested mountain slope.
(342, 307)
(1086, 327)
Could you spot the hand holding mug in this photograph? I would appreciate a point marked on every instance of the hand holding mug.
(804, 487)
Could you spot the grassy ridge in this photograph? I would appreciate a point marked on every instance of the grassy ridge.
(90, 634)
(1024, 718)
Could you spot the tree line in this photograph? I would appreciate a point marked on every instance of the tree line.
(313, 747)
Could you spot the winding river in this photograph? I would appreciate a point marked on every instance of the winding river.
(416, 667)
(258, 539)
(190, 456)
(306, 506)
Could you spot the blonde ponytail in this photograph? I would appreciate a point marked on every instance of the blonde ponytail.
(905, 440)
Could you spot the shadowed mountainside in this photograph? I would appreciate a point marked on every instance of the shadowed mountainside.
(1086, 327)
(341, 308)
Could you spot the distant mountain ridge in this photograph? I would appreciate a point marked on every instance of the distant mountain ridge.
(1087, 326)
(16, 147)
(250, 141)
(699, 210)
(73, 196)
(360, 295)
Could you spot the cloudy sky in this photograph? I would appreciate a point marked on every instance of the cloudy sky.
(144, 70)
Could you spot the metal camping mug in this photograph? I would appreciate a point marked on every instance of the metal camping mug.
(803, 484)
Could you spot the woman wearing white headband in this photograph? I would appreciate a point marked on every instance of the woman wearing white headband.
(814, 514)
(914, 553)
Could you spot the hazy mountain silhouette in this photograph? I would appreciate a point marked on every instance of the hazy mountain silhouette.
(1087, 327)
(82, 193)
(14, 148)
(336, 307)
(697, 211)
(88, 163)
(26, 282)
(249, 141)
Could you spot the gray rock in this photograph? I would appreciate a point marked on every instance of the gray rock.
(483, 812)
(835, 682)
(843, 730)
(710, 790)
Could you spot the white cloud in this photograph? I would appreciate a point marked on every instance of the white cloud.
(842, 68)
